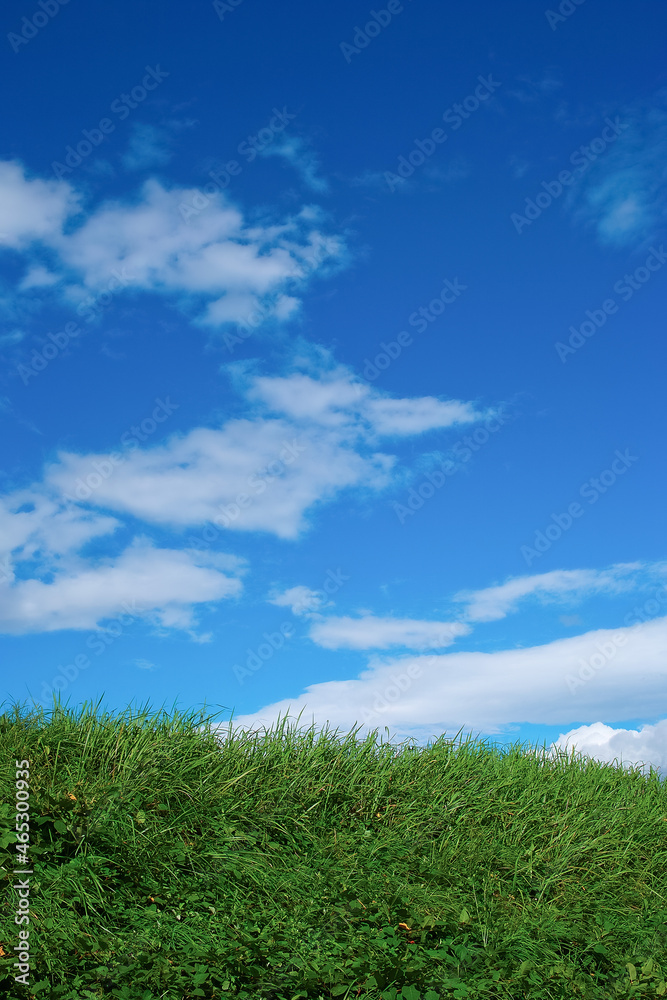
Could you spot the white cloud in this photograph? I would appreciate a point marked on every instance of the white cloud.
(331, 401)
(251, 475)
(494, 603)
(370, 632)
(33, 525)
(38, 277)
(487, 692)
(31, 209)
(46, 583)
(302, 601)
(621, 747)
(161, 585)
(402, 417)
(144, 664)
(264, 473)
(337, 399)
(216, 265)
(261, 473)
(213, 255)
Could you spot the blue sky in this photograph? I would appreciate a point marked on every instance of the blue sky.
(331, 365)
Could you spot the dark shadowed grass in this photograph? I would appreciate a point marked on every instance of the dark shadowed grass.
(174, 861)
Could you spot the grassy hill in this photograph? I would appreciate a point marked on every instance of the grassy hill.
(168, 863)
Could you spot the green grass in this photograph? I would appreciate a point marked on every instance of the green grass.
(173, 863)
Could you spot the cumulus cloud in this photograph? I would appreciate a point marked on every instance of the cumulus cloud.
(214, 263)
(493, 603)
(370, 632)
(622, 747)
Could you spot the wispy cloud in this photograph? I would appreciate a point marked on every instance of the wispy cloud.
(624, 196)
(337, 399)
(302, 158)
(369, 632)
(144, 664)
(11, 338)
(493, 603)
(148, 147)
(529, 91)
(432, 178)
